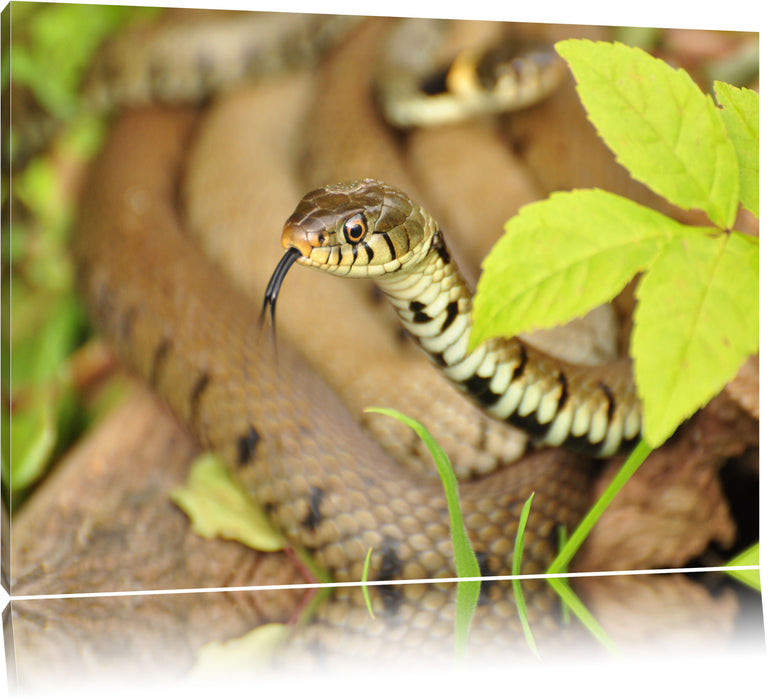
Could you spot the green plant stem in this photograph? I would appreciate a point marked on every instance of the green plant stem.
(569, 598)
(561, 562)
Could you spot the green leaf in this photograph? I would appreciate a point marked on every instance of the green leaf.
(561, 257)
(43, 333)
(219, 507)
(659, 124)
(55, 45)
(467, 592)
(749, 557)
(696, 322)
(741, 114)
(40, 338)
(33, 435)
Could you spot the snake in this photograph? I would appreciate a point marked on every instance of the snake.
(501, 75)
(369, 229)
(289, 438)
(323, 480)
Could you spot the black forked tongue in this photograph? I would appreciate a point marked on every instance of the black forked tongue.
(273, 288)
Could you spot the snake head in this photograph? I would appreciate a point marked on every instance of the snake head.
(363, 228)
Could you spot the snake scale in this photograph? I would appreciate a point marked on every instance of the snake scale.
(176, 320)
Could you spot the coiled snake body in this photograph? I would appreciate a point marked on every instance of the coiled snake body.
(291, 441)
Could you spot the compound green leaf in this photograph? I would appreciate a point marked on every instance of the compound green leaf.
(561, 257)
(659, 124)
(696, 321)
(741, 114)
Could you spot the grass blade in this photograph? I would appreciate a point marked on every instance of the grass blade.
(365, 589)
(563, 537)
(468, 592)
(516, 588)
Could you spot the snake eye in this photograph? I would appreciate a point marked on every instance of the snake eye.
(354, 228)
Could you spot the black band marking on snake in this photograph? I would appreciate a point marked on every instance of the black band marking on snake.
(419, 314)
(479, 388)
(246, 446)
(314, 517)
(160, 354)
(195, 398)
(451, 314)
(390, 568)
(386, 237)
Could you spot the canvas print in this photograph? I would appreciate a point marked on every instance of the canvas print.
(336, 342)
